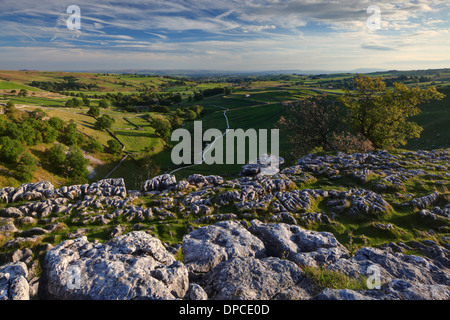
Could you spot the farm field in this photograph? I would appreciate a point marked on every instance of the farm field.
(253, 103)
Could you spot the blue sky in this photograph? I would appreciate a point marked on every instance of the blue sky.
(250, 35)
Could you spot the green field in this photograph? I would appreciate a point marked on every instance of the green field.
(7, 85)
(435, 120)
(254, 103)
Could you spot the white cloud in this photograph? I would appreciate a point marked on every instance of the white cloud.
(249, 34)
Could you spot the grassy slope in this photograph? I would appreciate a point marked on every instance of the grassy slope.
(261, 110)
(435, 120)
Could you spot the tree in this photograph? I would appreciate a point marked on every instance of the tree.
(76, 165)
(31, 136)
(197, 109)
(104, 122)
(10, 104)
(28, 159)
(73, 103)
(103, 104)
(70, 136)
(86, 102)
(76, 102)
(37, 114)
(24, 173)
(198, 96)
(311, 123)
(69, 104)
(114, 147)
(23, 93)
(381, 114)
(56, 157)
(49, 134)
(94, 111)
(94, 146)
(11, 110)
(56, 123)
(162, 129)
(26, 168)
(10, 149)
(190, 115)
(176, 121)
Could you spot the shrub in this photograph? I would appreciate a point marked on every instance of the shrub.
(10, 149)
(104, 122)
(349, 143)
(94, 146)
(94, 111)
(114, 147)
(76, 165)
(24, 173)
(56, 157)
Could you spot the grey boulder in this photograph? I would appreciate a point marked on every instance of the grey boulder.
(308, 248)
(206, 247)
(13, 282)
(257, 279)
(132, 266)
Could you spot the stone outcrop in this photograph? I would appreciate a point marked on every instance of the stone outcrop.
(206, 247)
(132, 266)
(229, 261)
(257, 243)
(13, 282)
(306, 248)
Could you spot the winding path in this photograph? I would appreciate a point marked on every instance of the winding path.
(211, 144)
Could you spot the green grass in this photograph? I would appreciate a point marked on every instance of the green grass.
(8, 85)
(435, 120)
(38, 101)
(324, 278)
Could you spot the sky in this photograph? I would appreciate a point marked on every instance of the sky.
(232, 35)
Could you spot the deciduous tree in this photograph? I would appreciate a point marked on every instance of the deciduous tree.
(381, 114)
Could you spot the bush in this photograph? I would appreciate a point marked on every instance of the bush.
(103, 104)
(10, 149)
(114, 147)
(24, 173)
(94, 146)
(104, 122)
(56, 157)
(94, 111)
(76, 165)
(349, 143)
(56, 123)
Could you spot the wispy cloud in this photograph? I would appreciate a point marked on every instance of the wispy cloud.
(245, 33)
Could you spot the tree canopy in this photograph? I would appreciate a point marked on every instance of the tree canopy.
(381, 114)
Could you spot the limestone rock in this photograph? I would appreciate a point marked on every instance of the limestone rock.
(393, 266)
(133, 266)
(13, 282)
(11, 212)
(309, 248)
(425, 201)
(254, 279)
(159, 183)
(206, 247)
